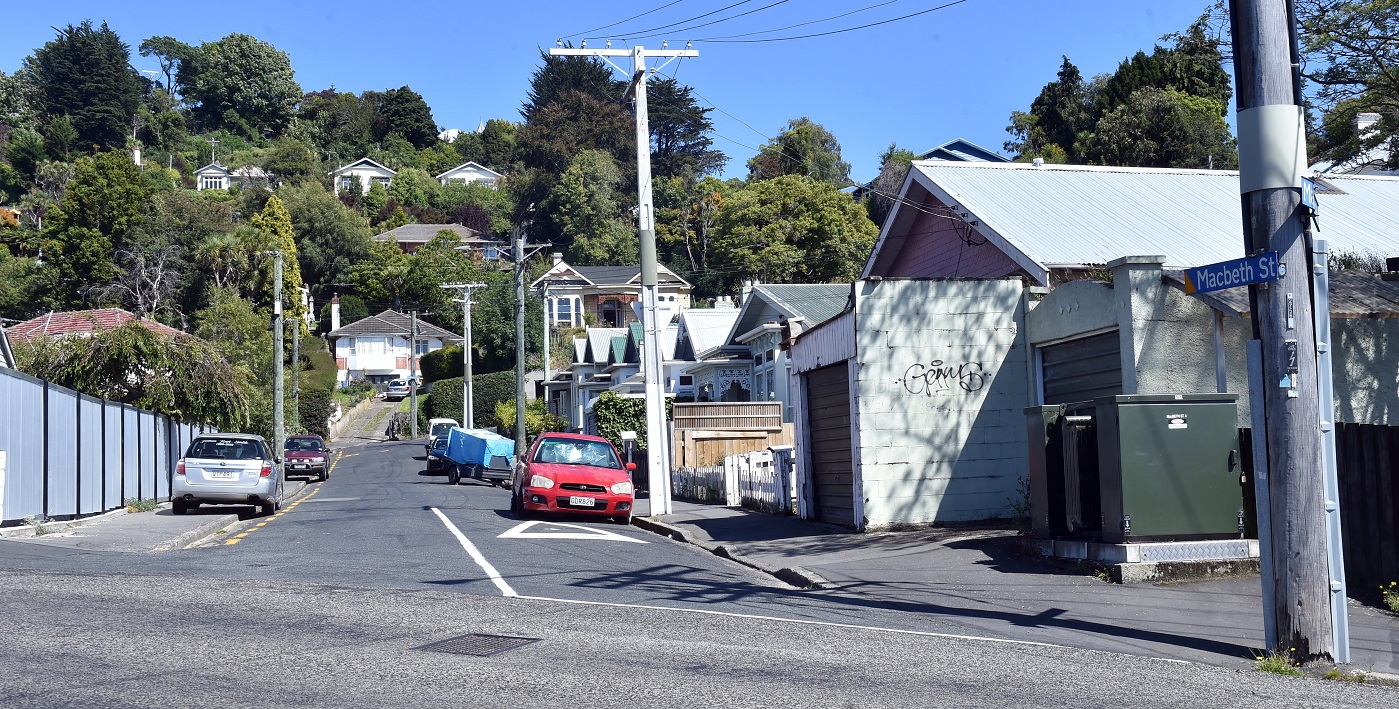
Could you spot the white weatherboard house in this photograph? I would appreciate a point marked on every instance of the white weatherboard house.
(469, 172)
(376, 348)
(995, 287)
(364, 172)
(217, 177)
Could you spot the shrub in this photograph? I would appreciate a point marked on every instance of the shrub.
(1391, 596)
(537, 419)
(618, 413)
(487, 390)
(442, 364)
(320, 364)
(315, 409)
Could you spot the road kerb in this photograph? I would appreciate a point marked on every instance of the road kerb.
(791, 575)
(198, 533)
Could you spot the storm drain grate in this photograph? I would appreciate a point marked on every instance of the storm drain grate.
(478, 645)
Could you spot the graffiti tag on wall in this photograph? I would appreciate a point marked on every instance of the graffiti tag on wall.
(937, 376)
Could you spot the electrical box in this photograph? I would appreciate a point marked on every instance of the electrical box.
(1168, 467)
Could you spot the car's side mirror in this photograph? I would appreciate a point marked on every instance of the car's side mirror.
(631, 467)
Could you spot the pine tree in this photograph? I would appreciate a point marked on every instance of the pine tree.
(276, 220)
(86, 75)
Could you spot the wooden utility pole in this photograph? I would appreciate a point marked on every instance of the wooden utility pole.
(652, 362)
(1272, 156)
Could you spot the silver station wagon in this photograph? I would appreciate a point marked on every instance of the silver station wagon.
(228, 469)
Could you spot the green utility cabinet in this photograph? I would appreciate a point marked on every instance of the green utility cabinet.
(1169, 467)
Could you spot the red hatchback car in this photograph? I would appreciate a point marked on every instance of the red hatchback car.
(569, 472)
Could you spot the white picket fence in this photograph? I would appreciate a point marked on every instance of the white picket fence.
(762, 480)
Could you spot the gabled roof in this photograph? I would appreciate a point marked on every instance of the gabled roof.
(962, 151)
(471, 166)
(600, 343)
(212, 167)
(423, 233)
(580, 349)
(701, 330)
(769, 303)
(362, 161)
(85, 321)
(1072, 216)
(7, 356)
(394, 324)
(604, 276)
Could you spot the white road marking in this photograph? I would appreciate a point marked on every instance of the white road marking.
(796, 621)
(475, 553)
(518, 532)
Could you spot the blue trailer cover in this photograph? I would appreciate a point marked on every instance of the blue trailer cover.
(476, 446)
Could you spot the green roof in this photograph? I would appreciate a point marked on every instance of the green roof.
(817, 302)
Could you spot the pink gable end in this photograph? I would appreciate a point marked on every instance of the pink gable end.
(933, 249)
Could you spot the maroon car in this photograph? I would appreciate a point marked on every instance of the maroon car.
(307, 455)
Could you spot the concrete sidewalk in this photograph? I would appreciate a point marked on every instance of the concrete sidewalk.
(158, 530)
(988, 582)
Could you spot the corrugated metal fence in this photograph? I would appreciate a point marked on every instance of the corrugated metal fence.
(70, 455)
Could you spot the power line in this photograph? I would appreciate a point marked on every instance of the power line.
(810, 22)
(629, 19)
(719, 40)
(713, 22)
(692, 19)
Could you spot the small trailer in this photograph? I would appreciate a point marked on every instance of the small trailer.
(480, 454)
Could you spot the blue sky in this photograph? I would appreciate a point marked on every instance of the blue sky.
(957, 72)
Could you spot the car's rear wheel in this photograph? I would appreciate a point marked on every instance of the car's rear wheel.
(267, 508)
(178, 506)
(453, 475)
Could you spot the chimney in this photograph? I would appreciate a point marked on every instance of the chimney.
(335, 313)
(558, 258)
(1365, 124)
(1037, 162)
(747, 291)
(136, 152)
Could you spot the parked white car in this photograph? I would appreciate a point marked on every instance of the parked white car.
(228, 469)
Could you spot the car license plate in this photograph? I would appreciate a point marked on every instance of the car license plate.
(298, 465)
(222, 474)
(581, 501)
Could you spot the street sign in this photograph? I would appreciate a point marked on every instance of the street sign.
(1309, 195)
(1232, 274)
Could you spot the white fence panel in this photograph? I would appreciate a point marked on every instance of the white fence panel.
(61, 466)
(90, 455)
(111, 454)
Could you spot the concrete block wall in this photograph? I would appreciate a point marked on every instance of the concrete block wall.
(941, 390)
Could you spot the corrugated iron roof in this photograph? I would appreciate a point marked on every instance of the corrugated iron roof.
(1068, 215)
(600, 342)
(1352, 294)
(817, 302)
(708, 328)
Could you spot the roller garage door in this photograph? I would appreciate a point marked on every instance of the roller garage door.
(1080, 370)
(828, 421)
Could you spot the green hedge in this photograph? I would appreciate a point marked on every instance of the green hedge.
(315, 410)
(487, 390)
(442, 364)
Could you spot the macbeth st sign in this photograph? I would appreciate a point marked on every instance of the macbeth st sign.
(1231, 274)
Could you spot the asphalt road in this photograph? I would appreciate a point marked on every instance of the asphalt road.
(325, 604)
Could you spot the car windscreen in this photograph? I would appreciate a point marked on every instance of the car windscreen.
(441, 429)
(304, 444)
(225, 448)
(569, 451)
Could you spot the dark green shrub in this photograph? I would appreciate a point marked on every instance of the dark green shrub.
(319, 366)
(315, 409)
(442, 364)
(445, 401)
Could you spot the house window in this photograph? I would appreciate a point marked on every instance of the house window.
(383, 181)
(347, 182)
(565, 313)
(421, 347)
(611, 313)
(212, 183)
(687, 380)
(491, 253)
